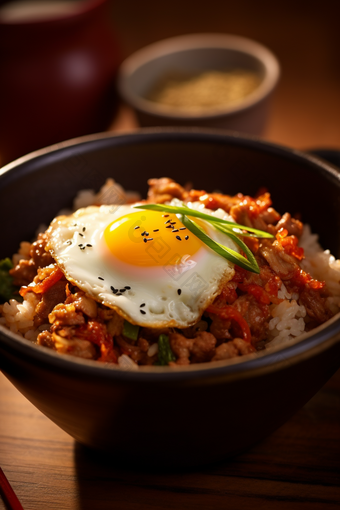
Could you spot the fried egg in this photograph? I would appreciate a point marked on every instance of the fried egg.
(144, 264)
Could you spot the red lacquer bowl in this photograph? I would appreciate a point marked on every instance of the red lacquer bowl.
(57, 77)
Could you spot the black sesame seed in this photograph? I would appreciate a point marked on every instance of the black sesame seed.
(186, 238)
(173, 222)
(183, 228)
(84, 228)
(147, 233)
(167, 221)
(114, 290)
(80, 245)
(178, 237)
(141, 306)
(145, 240)
(175, 230)
(89, 245)
(150, 239)
(127, 287)
(100, 278)
(119, 294)
(156, 230)
(83, 247)
(137, 227)
(168, 226)
(165, 215)
(122, 290)
(179, 292)
(82, 235)
(142, 311)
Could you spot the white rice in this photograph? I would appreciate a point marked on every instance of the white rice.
(18, 317)
(288, 317)
(287, 322)
(127, 363)
(153, 349)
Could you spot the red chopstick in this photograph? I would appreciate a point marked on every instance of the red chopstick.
(8, 493)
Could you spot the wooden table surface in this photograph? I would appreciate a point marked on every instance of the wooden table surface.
(297, 467)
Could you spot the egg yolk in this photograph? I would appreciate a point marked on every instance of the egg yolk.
(150, 238)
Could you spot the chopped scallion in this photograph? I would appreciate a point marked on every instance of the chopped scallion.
(130, 330)
(165, 354)
(229, 228)
(7, 289)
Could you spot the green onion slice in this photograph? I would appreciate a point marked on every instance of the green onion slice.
(187, 211)
(130, 330)
(229, 228)
(241, 244)
(165, 354)
(224, 251)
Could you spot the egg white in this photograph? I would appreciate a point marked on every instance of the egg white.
(155, 296)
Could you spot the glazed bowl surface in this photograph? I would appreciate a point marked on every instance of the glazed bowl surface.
(189, 56)
(159, 416)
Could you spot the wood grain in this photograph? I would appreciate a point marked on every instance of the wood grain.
(297, 467)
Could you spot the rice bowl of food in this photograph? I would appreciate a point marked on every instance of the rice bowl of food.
(173, 279)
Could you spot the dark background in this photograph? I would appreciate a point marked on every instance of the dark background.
(305, 36)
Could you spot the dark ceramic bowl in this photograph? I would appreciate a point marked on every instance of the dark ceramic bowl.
(159, 416)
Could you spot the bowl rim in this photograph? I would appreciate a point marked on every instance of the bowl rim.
(194, 42)
(324, 337)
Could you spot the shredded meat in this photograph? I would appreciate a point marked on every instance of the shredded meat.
(65, 315)
(283, 264)
(226, 350)
(132, 350)
(215, 200)
(164, 190)
(74, 346)
(315, 305)
(220, 327)
(53, 296)
(242, 213)
(236, 347)
(181, 347)
(197, 350)
(40, 256)
(203, 347)
(83, 303)
(270, 216)
(143, 344)
(293, 226)
(115, 324)
(256, 315)
(25, 271)
(45, 338)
